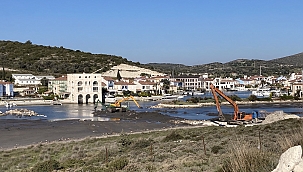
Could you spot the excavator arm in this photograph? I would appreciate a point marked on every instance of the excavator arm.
(216, 91)
(118, 103)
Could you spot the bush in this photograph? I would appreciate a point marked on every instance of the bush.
(285, 97)
(252, 98)
(173, 136)
(46, 166)
(118, 164)
(216, 149)
(142, 143)
(235, 98)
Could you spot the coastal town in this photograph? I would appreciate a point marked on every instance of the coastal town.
(125, 80)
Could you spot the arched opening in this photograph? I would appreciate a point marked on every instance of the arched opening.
(80, 99)
(95, 83)
(95, 98)
(86, 98)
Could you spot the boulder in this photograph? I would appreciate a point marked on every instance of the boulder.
(290, 160)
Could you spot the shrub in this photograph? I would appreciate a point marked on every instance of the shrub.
(216, 149)
(46, 166)
(118, 164)
(235, 98)
(252, 98)
(142, 143)
(246, 158)
(173, 136)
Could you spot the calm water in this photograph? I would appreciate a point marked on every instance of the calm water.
(75, 111)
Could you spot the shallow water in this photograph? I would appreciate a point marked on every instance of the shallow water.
(84, 112)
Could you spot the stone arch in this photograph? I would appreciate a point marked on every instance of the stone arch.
(95, 98)
(80, 99)
(86, 98)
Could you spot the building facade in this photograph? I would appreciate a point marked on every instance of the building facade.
(59, 87)
(84, 88)
(6, 89)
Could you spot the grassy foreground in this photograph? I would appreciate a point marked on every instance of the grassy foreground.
(218, 149)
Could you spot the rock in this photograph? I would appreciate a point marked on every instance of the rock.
(290, 160)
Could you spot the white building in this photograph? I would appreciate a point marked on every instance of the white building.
(29, 79)
(6, 89)
(224, 83)
(84, 88)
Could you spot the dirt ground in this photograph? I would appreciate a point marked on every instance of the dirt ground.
(17, 133)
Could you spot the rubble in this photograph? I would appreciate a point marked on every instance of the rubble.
(277, 116)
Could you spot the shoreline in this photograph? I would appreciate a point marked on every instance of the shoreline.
(17, 133)
(160, 105)
(198, 105)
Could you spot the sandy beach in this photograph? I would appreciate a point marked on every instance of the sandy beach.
(20, 133)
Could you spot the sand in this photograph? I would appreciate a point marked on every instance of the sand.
(19, 133)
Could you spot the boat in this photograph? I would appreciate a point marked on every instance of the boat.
(262, 92)
(110, 99)
(9, 105)
(169, 97)
(197, 93)
(56, 103)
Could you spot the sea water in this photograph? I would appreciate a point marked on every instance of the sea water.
(85, 111)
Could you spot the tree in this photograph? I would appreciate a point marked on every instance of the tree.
(118, 75)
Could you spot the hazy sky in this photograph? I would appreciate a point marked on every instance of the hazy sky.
(173, 31)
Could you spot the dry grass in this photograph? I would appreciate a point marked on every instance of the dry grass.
(226, 149)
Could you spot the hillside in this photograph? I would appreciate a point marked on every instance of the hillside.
(39, 59)
(46, 60)
(295, 60)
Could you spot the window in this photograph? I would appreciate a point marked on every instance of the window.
(80, 89)
(95, 89)
(95, 83)
(79, 83)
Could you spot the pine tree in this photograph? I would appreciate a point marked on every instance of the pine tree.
(118, 75)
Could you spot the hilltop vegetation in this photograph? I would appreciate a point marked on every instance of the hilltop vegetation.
(38, 59)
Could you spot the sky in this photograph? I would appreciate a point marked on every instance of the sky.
(189, 32)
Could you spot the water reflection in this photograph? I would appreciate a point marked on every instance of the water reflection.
(85, 112)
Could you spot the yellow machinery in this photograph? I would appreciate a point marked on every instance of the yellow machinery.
(118, 102)
(115, 107)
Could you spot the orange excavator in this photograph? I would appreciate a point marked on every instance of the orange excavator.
(238, 116)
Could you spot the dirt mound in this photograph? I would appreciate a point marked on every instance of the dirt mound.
(277, 116)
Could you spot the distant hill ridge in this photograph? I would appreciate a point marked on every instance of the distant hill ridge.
(296, 59)
(39, 59)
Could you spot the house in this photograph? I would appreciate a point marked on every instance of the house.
(29, 79)
(121, 86)
(25, 79)
(6, 89)
(145, 86)
(84, 88)
(224, 83)
(59, 86)
(297, 88)
(189, 82)
(205, 83)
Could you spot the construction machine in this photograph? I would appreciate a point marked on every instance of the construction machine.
(115, 107)
(238, 116)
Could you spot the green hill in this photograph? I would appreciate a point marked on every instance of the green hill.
(39, 59)
(47, 60)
